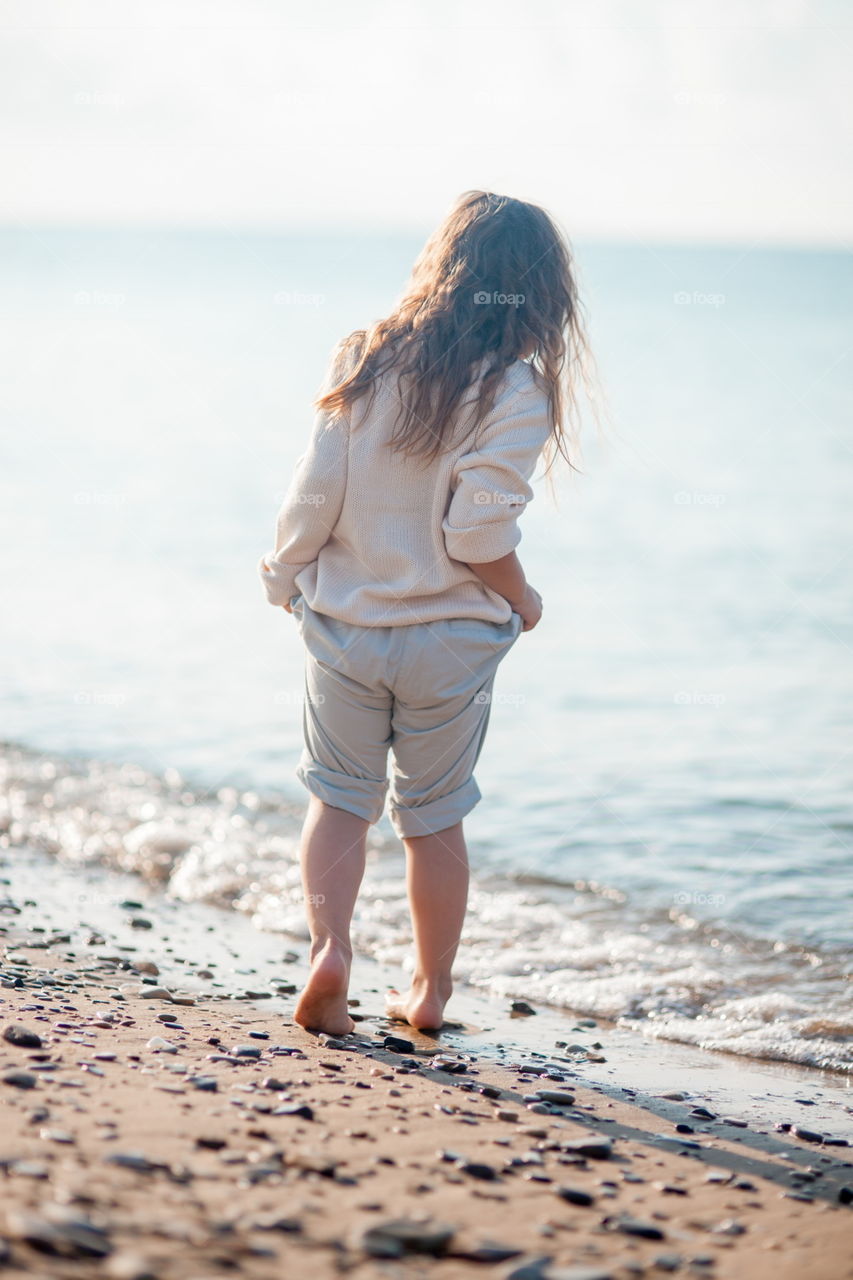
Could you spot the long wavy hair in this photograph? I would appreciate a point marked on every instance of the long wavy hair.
(495, 283)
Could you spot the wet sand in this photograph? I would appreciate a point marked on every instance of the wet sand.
(168, 1125)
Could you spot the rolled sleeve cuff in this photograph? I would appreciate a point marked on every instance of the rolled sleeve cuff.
(279, 579)
(482, 543)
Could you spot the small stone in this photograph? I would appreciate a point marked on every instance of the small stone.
(20, 1079)
(57, 1135)
(520, 1008)
(478, 1169)
(667, 1261)
(159, 1045)
(509, 1117)
(559, 1097)
(22, 1036)
(594, 1148)
(134, 1160)
(332, 1042)
(207, 1084)
(701, 1113)
(300, 1109)
(729, 1227)
(735, 1121)
(155, 993)
(208, 1142)
(245, 1051)
(62, 1235)
(574, 1195)
(272, 1082)
(806, 1135)
(485, 1251)
(394, 1238)
(636, 1227)
(674, 1095)
(397, 1044)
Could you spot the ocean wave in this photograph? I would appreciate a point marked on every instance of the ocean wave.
(576, 945)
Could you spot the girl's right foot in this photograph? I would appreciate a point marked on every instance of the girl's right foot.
(422, 1008)
(322, 1006)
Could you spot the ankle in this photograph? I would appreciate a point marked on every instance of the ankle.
(325, 947)
(439, 984)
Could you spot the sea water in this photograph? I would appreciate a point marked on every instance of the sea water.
(666, 831)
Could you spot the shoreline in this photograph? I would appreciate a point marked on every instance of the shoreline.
(220, 1170)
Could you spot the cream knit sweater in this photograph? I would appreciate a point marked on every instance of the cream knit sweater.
(372, 537)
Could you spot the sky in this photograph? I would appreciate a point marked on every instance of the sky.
(684, 120)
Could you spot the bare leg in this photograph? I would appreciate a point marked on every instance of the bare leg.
(438, 895)
(333, 853)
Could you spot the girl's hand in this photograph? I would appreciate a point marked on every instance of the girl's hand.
(530, 608)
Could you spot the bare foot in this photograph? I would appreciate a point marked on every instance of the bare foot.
(422, 1008)
(322, 1006)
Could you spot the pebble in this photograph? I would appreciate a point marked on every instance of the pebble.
(159, 1045)
(57, 1135)
(594, 1148)
(20, 1079)
(701, 1113)
(22, 1036)
(806, 1135)
(485, 1251)
(636, 1227)
(65, 1236)
(207, 1084)
(401, 1235)
(245, 1051)
(397, 1044)
(478, 1169)
(729, 1227)
(295, 1109)
(521, 1009)
(560, 1097)
(667, 1261)
(134, 1160)
(575, 1196)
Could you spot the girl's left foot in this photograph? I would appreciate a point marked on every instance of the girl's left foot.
(322, 1006)
(422, 1008)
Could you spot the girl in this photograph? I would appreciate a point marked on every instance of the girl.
(395, 551)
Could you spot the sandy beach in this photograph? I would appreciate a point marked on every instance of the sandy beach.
(157, 1121)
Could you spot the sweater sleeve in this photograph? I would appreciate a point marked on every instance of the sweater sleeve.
(311, 506)
(490, 486)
